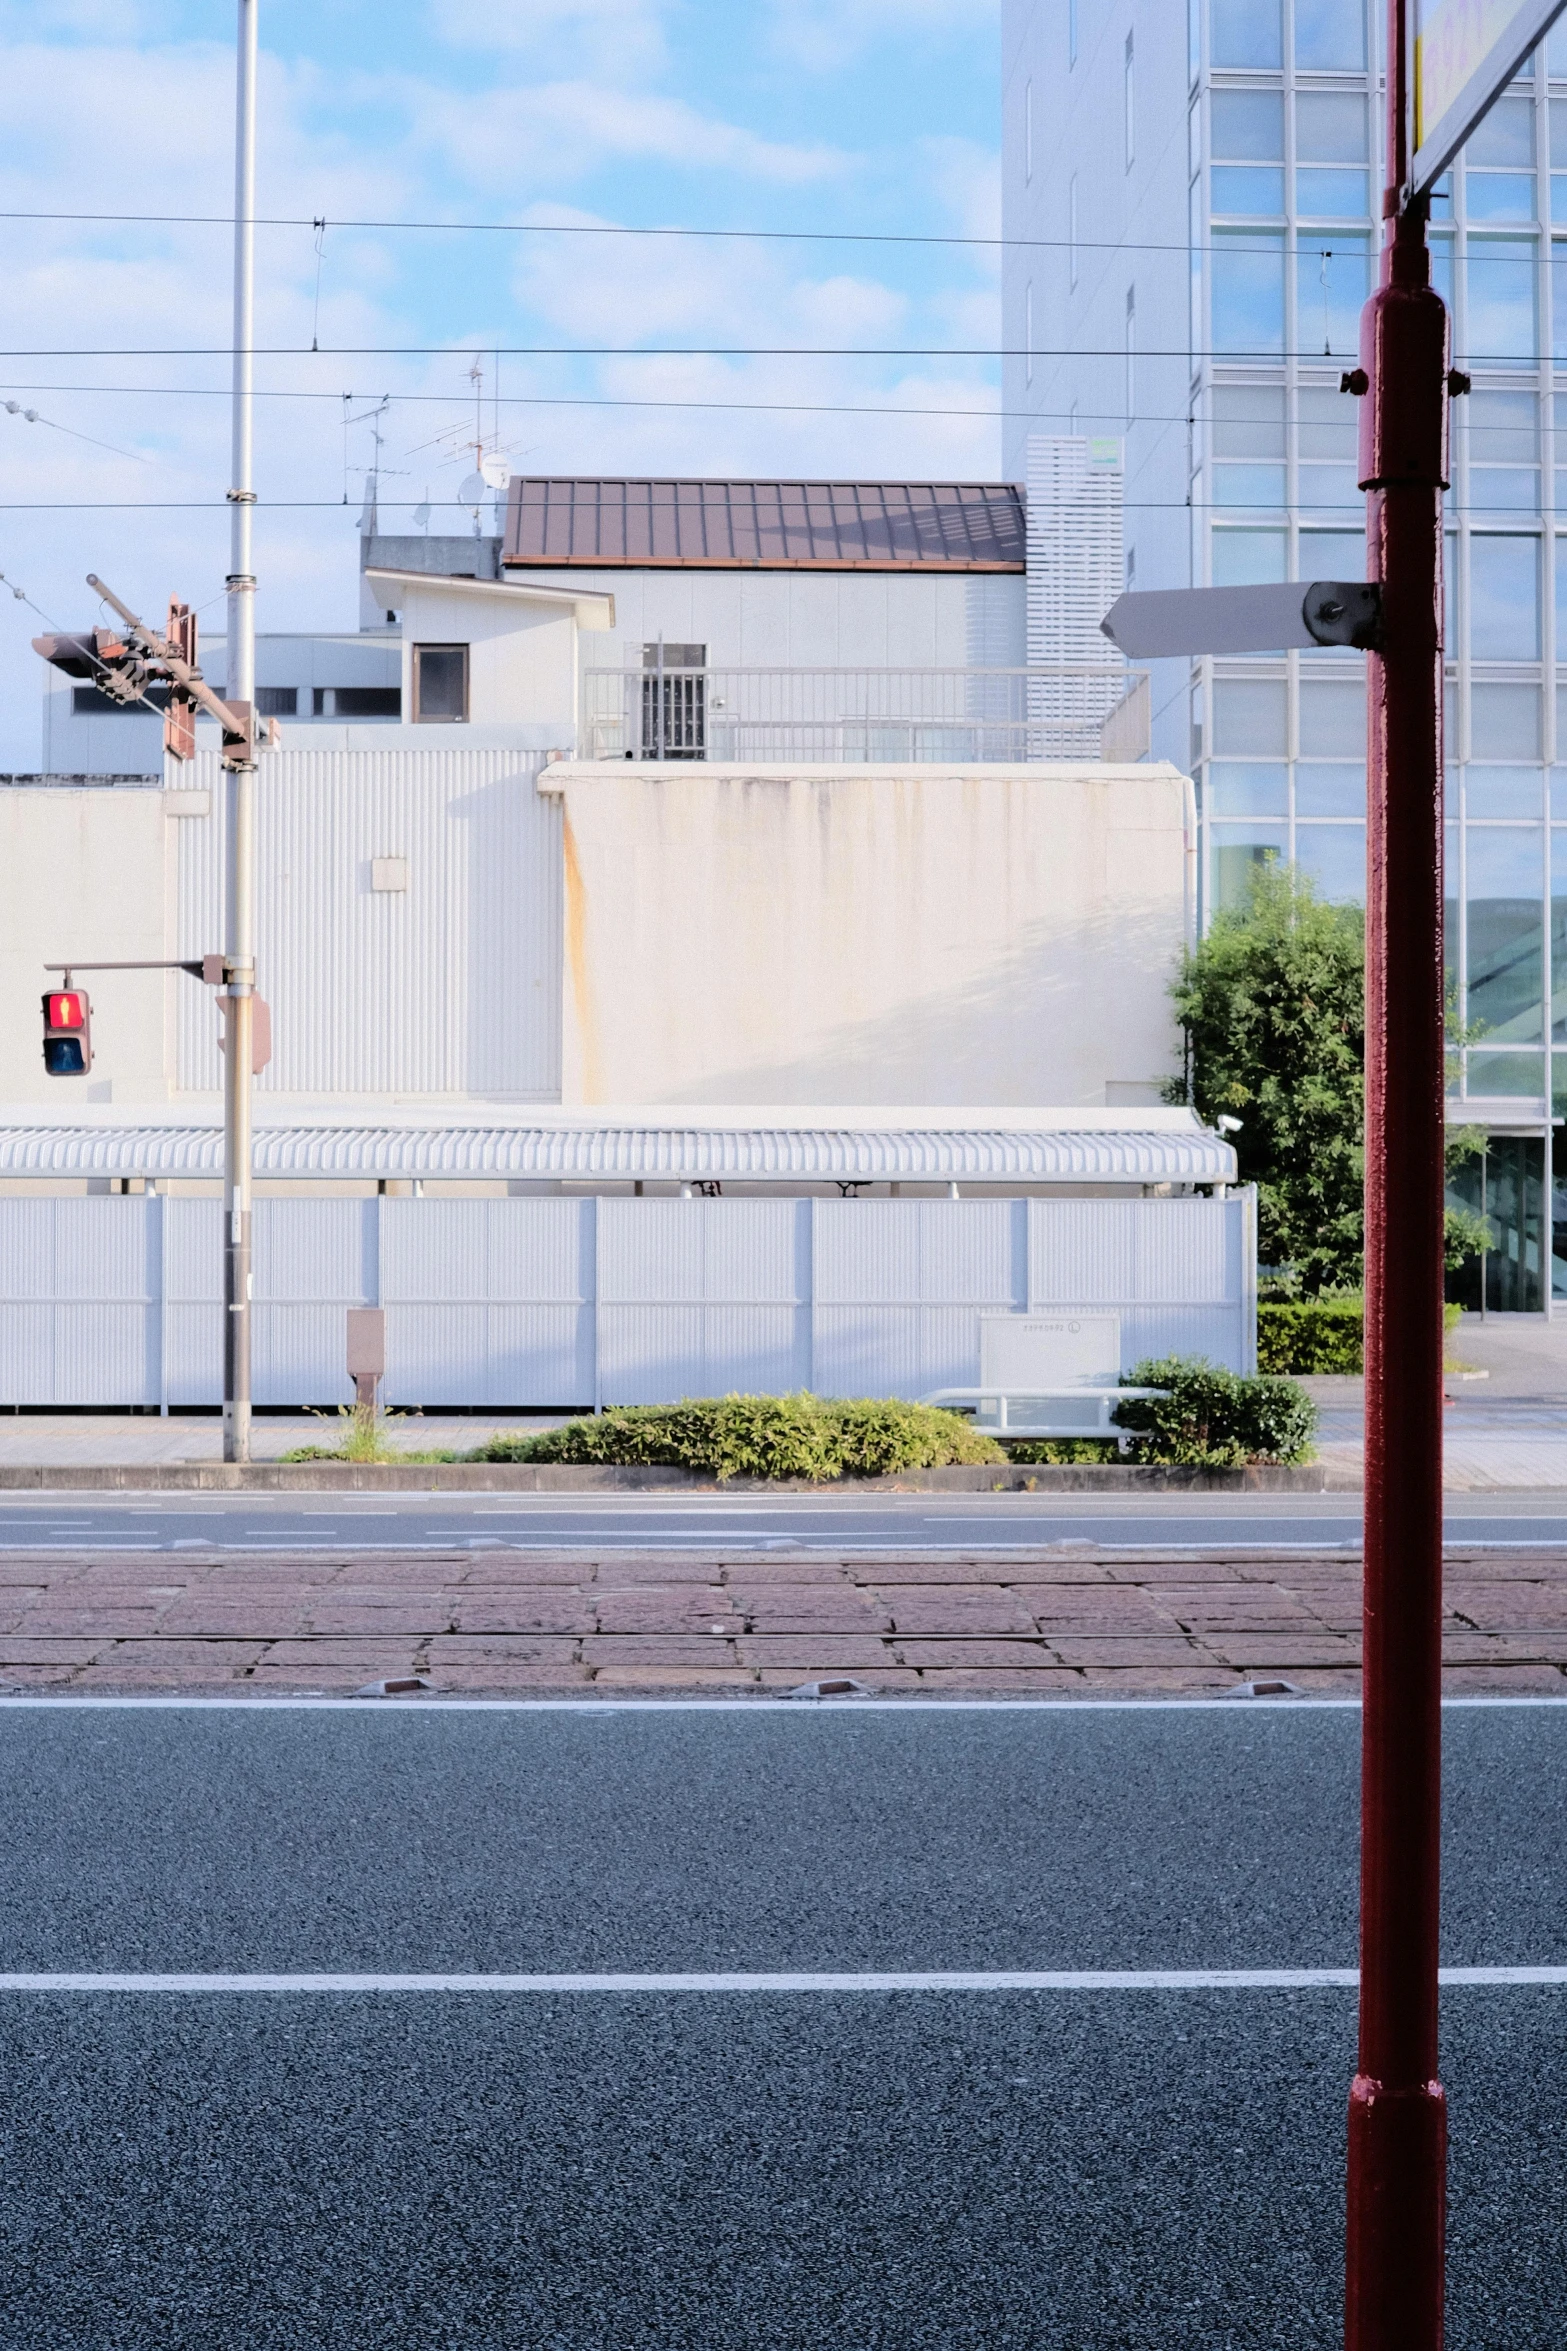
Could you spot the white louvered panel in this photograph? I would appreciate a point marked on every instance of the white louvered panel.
(1083, 1252)
(450, 987)
(895, 1350)
(1188, 1251)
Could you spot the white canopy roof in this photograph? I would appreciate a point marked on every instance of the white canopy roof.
(667, 1145)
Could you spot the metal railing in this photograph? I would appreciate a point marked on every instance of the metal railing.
(1064, 711)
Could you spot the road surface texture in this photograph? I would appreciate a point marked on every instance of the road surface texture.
(365, 2156)
(1044, 1595)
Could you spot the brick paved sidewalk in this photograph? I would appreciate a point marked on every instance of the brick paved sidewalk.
(1053, 1622)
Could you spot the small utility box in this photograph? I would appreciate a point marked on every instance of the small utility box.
(1022, 1351)
(366, 1351)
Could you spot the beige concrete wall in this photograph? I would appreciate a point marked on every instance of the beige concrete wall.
(871, 935)
(86, 871)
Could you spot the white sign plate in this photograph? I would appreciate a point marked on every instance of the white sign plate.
(1463, 53)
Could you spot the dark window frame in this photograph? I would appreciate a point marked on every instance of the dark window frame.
(422, 717)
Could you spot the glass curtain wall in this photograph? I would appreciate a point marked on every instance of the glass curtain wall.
(1284, 140)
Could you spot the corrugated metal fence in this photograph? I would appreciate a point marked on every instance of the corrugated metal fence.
(509, 1303)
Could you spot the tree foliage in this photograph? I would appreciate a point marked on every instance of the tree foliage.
(1272, 1003)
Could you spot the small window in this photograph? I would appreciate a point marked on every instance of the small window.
(1028, 130)
(1129, 107)
(92, 702)
(440, 684)
(277, 701)
(367, 702)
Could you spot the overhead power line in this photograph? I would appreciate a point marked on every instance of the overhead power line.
(590, 228)
(1091, 424)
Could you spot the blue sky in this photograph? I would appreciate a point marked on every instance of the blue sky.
(878, 115)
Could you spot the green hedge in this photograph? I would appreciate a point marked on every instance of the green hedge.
(799, 1436)
(1213, 1419)
(1314, 1335)
(1310, 1335)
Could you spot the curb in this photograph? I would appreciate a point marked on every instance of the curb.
(516, 1477)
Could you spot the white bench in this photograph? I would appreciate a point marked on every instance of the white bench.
(1080, 1411)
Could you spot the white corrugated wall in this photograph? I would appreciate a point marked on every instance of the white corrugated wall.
(512, 1303)
(448, 987)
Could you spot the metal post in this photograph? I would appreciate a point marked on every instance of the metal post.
(1397, 2108)
(241, 687)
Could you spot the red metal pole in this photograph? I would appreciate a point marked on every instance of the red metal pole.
(1397, 2108)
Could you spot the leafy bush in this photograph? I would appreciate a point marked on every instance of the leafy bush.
(1315, 1335)
(799, 1436)
(1213, 1419)
(1063, 1452)
(1311, 1335)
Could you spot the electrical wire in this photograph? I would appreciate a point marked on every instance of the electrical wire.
(586, 228)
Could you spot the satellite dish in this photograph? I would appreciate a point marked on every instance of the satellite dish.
(496, 472)
(471, 489)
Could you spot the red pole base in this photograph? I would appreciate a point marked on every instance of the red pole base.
(1397, 2217)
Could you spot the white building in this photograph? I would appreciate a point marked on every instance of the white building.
(1193, 199)
(933, 984)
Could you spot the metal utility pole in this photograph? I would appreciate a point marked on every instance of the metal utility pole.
(1397, 2184)
(240, 689)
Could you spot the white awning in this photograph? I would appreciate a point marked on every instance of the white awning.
(1065, 1147)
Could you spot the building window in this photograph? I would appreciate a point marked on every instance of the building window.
(1331, 285)
(1499, 163)
(1330, 36)
(350, 702)
(1332, 178)
(1501, 288)
(1504, 598)
(1071, 230)
(1028, 131)
(440, 684)
(1131, 354)
(1246, 135)
(92, 702)
(277, 701)
(1246, 33)
(1128, 108)
(674, 701)
(1248, 445)
(1248, 293)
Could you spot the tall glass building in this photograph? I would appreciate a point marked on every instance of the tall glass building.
(1194, 202)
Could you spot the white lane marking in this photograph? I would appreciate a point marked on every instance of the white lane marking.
(1152, 1979)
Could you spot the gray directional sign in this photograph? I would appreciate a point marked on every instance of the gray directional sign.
(1245, 620)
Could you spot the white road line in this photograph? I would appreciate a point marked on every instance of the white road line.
(1153, 1979)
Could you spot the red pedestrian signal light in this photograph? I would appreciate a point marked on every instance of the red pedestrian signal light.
(67, 1033)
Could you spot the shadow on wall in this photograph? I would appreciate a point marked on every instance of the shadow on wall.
(1065, 1013)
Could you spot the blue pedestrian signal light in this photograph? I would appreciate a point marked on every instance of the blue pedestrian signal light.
(67, 1033)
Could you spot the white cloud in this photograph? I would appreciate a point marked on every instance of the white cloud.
(824, 35)
(618, 38)
(539, 135)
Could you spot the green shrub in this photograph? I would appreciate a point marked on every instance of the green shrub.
(1314, 1335)
(1063, 1452)
(1213, 1419)
(799, 1436)
(1310, 1335)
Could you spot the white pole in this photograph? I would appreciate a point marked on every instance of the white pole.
(241, 688)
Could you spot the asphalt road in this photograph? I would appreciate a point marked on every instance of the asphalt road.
(912, 1522)
(575, 2170)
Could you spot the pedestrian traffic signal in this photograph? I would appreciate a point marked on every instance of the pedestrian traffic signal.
(67, 1033)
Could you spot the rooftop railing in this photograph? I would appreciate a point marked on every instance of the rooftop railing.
(1061, 712)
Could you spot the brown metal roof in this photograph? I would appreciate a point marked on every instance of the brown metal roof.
(769, 526)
